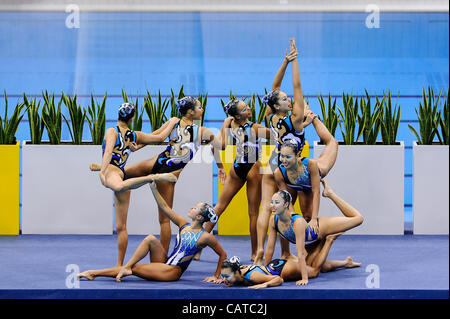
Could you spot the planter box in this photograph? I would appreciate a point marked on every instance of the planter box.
(60, 195)
(370, 178)
(430, 189)
(9, 189)
(193, 186)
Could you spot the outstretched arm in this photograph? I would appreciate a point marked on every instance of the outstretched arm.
(162, 204)
(264, 281)
(157, 136)
(276, 84)
(212, 242)
(298, 109)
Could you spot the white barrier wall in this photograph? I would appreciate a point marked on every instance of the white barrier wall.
(430, 189)
(370, 178)
(193, 186)
(60, 195)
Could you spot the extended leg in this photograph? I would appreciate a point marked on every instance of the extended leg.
(122, 201)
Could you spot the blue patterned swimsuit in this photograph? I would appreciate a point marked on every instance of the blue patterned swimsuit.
(302, 182)
(284, 130)
(185, 248)
(310, 235)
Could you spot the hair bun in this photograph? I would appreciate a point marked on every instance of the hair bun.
(235, 260)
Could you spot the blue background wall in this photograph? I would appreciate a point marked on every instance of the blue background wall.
(217, 52)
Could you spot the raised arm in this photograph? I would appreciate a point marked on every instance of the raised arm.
(299, 230)
(211, 241)
(162, 204)
(276, 84)
(261, 131)
(315, 189)
(298, 109)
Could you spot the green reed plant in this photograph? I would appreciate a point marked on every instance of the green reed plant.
(174, 112)
(348, 118)
(52, 117)
(156, 110)
(10, 125)
(96, 118)
(368, 120)
(77, 115)
(329, 114)
(136, 125)
(34, 119)
(390, 119)
(443, 122)
(203, 102)
(428, 117)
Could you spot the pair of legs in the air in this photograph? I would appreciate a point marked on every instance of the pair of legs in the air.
(155, 270)
(232, 185)
(325, 162)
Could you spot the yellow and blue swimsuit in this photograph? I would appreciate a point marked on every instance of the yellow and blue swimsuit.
(274, 268)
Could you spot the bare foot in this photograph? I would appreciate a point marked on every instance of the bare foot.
(252, 258)
(327, 191)
(350, 263)
(258, 260)
(333, 237)
(168, 177)
(123, 272)
(95, 167)
(86, 274)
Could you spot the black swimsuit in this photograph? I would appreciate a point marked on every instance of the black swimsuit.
(248, 149)
(183, 145)
(121, 149)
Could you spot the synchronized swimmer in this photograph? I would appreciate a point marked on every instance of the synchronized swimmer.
(275, 188)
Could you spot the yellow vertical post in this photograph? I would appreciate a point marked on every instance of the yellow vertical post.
(9, 189)
(234, 220)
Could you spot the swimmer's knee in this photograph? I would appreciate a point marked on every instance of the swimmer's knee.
(150, 239)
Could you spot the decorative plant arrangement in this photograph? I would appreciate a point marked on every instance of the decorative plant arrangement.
(390, 119)
(428, 117)
(97, 119)
(52, 118)
(77, 118)
(34, 119)
(329, 115)
(368, 120)
(349, 119)
(9, 126)
(444, 126)
(156, 110)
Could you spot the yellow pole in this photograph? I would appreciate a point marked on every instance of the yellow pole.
(9, 190)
